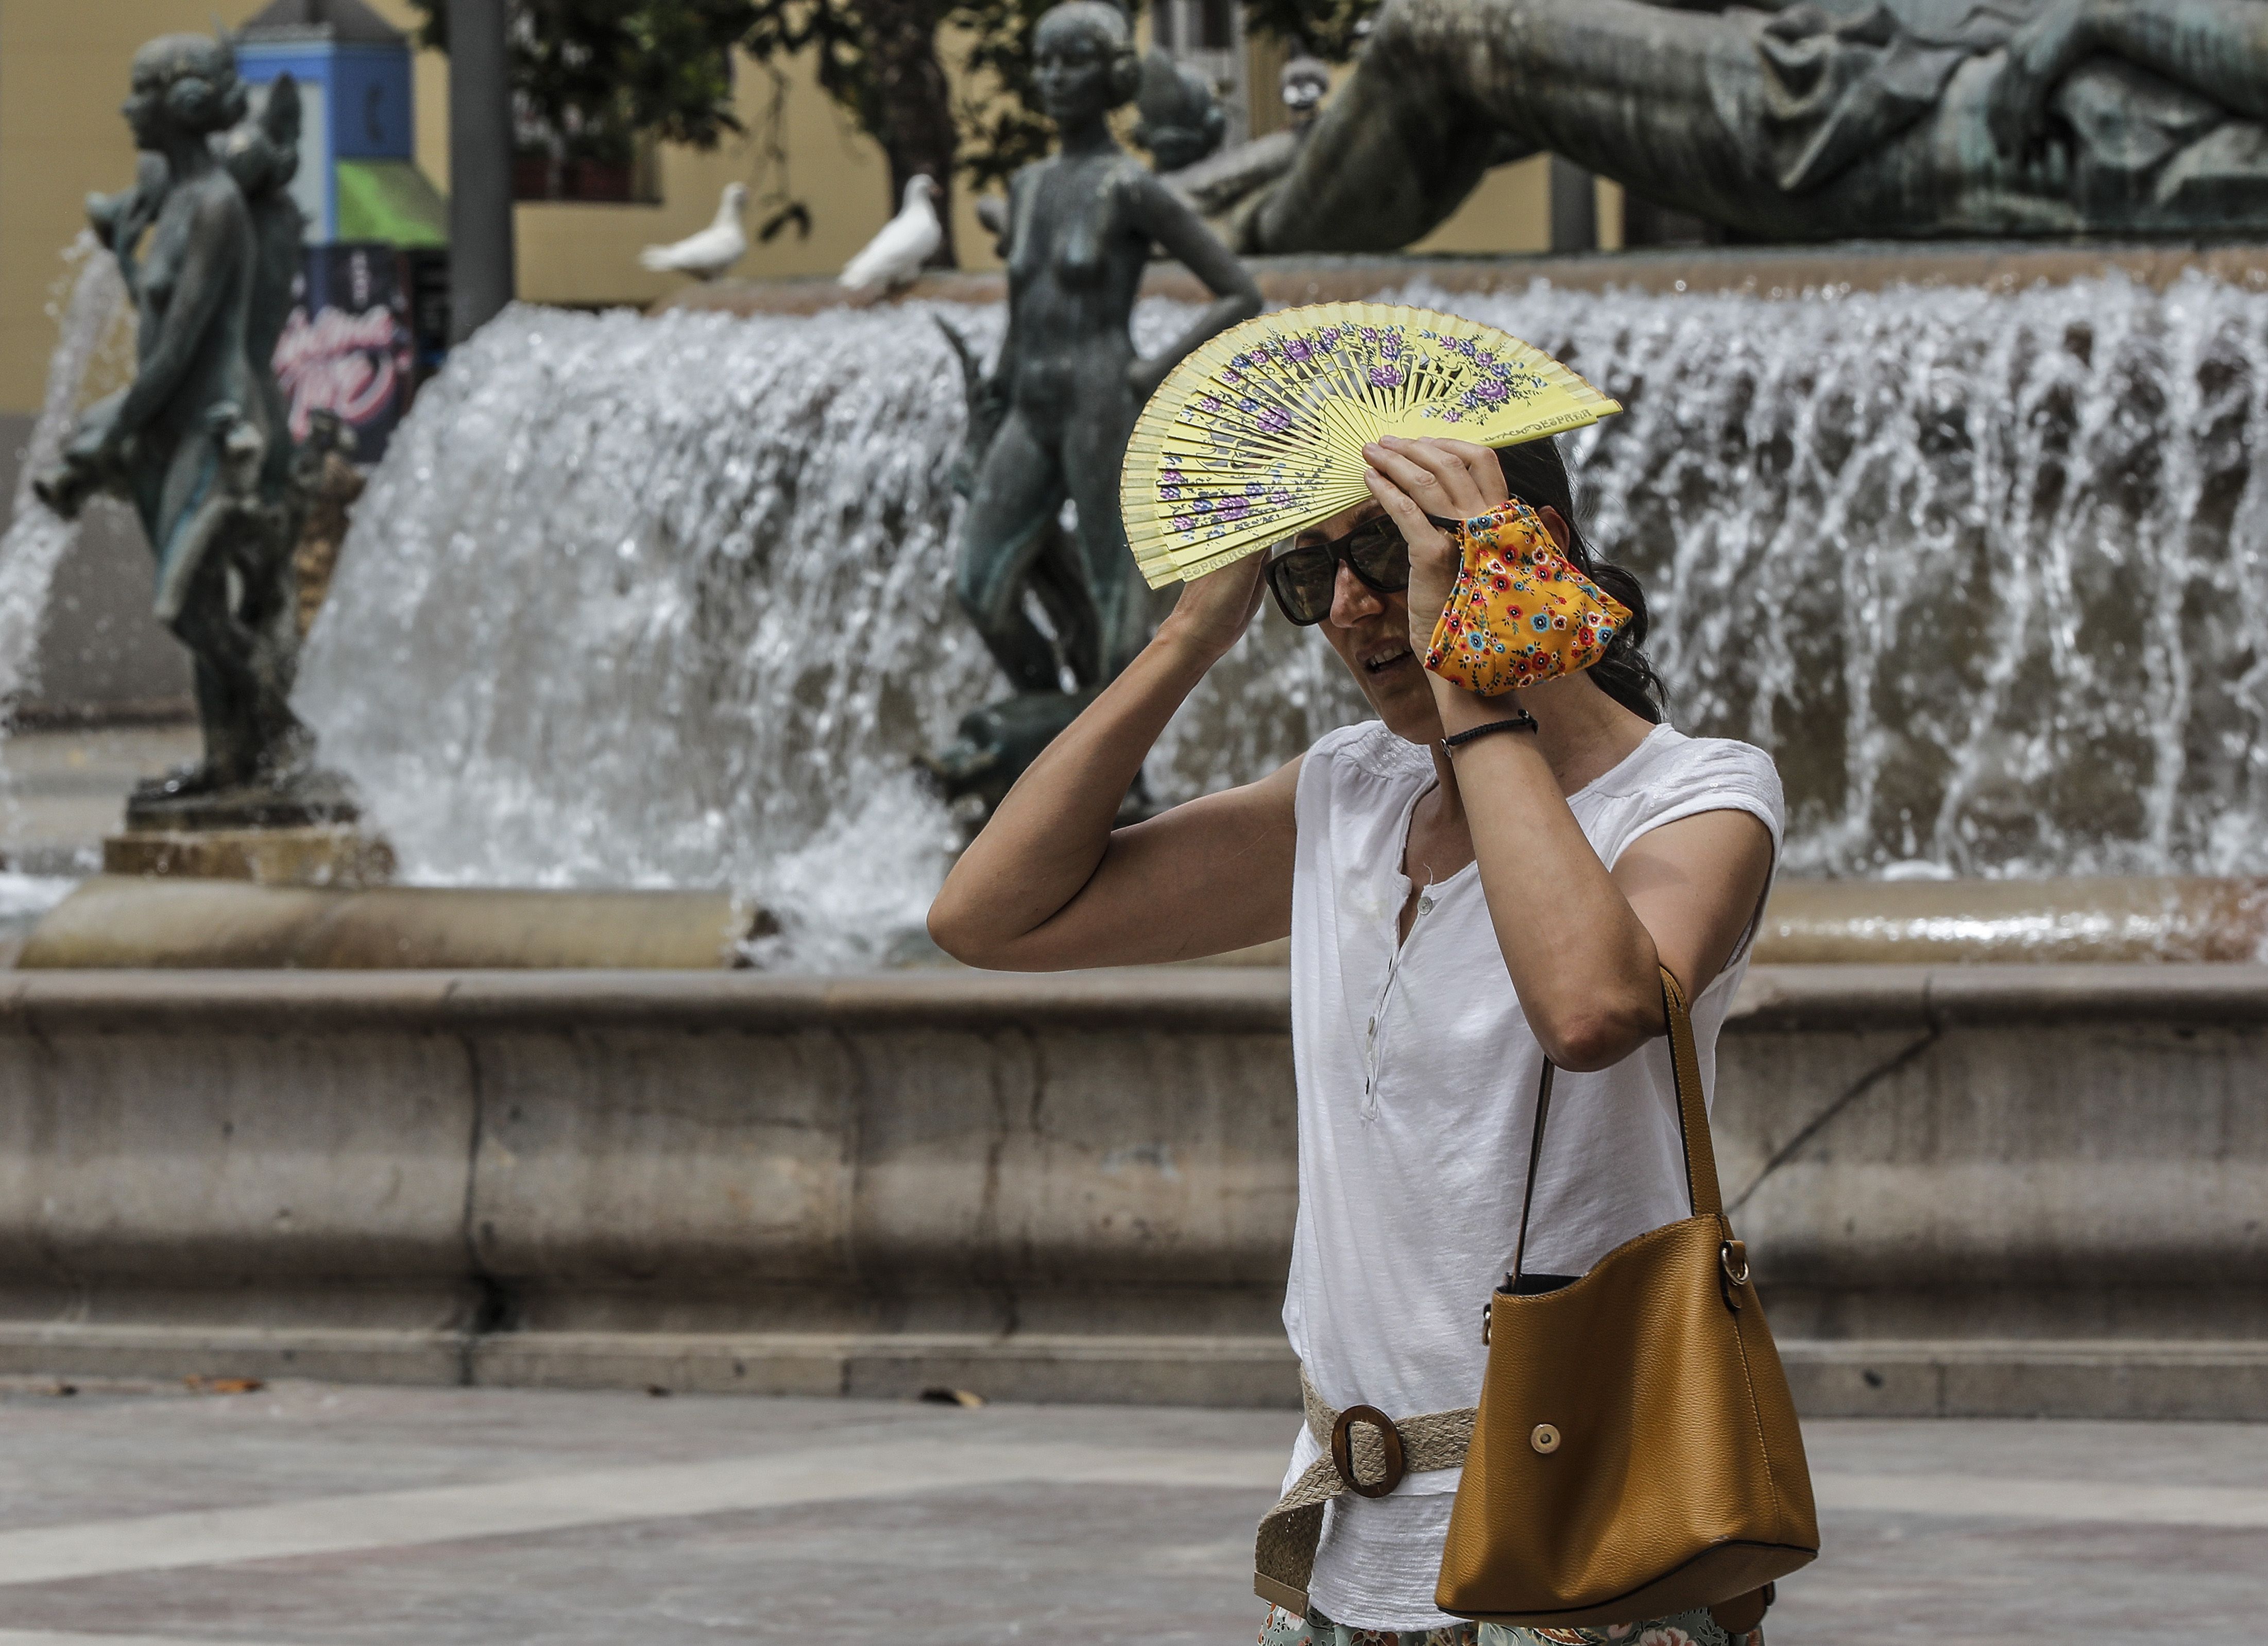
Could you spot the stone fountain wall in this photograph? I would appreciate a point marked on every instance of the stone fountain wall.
(2017, 1191)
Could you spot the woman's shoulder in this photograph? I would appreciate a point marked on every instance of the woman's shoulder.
(1699, 758)
(1352, 760)
(1369, 747)
(1673, 770)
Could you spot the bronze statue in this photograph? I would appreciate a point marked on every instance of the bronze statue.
(1051, 421)
(1883, 118)
(197, 442)
(1182, 121)
(1220, 184)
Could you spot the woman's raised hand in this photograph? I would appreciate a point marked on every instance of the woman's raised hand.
(1215, 609)
(1451, 480)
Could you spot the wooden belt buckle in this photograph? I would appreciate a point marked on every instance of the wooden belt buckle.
(1342, 1450)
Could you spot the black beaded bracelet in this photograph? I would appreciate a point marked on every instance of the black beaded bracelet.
(1521, 721)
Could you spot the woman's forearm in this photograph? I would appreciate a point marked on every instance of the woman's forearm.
(1583, 965)
(1047, 838)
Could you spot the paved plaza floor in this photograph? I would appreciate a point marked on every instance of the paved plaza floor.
(313, 1514)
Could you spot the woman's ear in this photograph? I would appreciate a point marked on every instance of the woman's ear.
(1556, 523)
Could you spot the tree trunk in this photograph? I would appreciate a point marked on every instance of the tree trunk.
(912, 116)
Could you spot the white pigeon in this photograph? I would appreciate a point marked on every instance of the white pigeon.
(712, 251)
(907, 241)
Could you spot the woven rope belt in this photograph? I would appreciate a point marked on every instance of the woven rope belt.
(1364, 1452)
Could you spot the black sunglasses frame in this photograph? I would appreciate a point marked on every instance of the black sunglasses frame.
(1375, 531)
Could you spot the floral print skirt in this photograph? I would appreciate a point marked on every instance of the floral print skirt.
(1688, 1628)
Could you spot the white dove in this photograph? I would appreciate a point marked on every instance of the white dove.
(712, 251)
(896, 255)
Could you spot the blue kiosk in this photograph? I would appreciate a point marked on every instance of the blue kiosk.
(377, 231)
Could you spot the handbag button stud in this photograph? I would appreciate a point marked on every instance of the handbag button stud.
(1544, 1438)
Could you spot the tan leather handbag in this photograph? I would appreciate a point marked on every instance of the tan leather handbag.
(1637, 1453)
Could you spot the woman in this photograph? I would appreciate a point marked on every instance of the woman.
(1081, 228)
(1456, 915)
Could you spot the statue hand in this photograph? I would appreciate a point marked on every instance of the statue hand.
(79, 471)
(99, 446)
(1215, 609)
(2036, 58)
(109, 448)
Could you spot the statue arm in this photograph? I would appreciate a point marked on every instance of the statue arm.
(1003, 371)
(1401, 145)
(1170, 220)
(199, 290)
(2218, 48)
(1447, 89)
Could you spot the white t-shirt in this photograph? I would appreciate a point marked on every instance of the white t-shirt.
(1417, 1075)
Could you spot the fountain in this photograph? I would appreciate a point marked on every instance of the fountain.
(643, 624)
(667, 601)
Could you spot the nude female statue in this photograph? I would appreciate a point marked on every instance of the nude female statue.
(191, 440)
(1809, 120)
(1068, 384)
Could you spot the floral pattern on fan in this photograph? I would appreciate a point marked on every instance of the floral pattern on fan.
(1259, 432)
(1519, 613)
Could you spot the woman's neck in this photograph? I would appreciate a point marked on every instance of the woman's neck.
(1582, 733)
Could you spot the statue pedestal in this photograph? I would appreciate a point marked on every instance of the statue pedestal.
(304, 831)
(313, 854)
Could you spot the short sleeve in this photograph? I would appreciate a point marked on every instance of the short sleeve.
(1709, 774)
(1704, 774)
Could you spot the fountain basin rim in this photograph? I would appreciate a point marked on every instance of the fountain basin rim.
(1777, 271)
(1228, 999)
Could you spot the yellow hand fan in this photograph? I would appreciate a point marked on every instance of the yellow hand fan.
(1259, 432)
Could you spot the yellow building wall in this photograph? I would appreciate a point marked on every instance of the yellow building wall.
(63, 74)
(1511, 212)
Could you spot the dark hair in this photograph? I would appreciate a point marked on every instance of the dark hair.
(1536, 474)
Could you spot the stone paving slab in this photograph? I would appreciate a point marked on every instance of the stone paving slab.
(312, 1515)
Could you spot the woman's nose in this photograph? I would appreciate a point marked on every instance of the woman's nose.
(1351, 599)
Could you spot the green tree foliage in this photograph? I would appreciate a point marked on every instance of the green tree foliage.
(592, 76)
(878, 59)
(1001, 126)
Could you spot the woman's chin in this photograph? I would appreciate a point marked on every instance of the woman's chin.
(1404, 700)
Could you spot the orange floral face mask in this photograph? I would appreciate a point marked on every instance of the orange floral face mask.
(1519, 613)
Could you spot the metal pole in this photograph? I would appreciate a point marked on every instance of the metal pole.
(480, 278)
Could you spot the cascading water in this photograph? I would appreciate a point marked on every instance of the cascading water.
(36, 540)
(667, 600)
(89, 304)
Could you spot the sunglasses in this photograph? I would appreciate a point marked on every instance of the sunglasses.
(1304, 578)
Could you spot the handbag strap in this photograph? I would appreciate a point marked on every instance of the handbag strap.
(1701, 1188)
